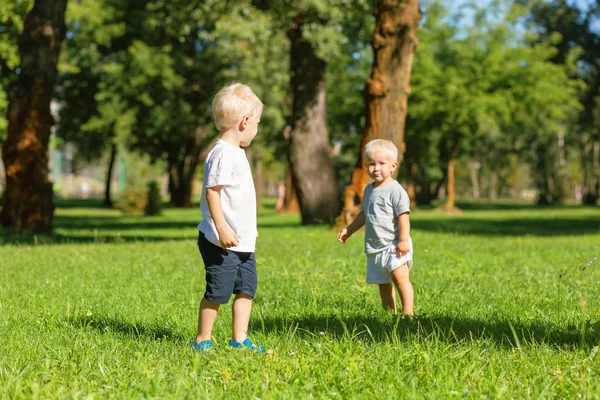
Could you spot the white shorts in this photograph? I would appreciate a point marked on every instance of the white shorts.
(380, 265)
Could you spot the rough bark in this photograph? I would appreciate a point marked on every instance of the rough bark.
(387, 89)
(312, 170)
(28, 204)
(109, 172)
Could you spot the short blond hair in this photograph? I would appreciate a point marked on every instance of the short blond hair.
(234, 102)
(381, 145)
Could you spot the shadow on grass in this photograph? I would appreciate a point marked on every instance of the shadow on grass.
(137, 330)
(509, 334)
(117, 229)
(511, 227)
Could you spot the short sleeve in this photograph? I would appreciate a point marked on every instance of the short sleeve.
(401, 201)
(219, 172)
(365, 199)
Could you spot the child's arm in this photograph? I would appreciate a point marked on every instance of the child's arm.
(404, 227)
(226, 235)
(355, 225)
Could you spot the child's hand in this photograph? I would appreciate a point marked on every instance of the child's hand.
(343, 235)
(401, 249)
(228, 238)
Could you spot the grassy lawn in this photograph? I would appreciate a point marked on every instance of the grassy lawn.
(506, 298)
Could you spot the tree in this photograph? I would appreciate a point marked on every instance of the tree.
(487, 90)
(91, 116)
(314, 29)
(152, 68)
(28, 203)
(571, 30)
(12, 16)
(386, 91)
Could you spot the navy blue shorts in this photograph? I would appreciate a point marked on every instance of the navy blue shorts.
(227, 272)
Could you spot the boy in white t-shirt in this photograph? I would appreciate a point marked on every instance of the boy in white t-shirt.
(227, 232)
(384, 212)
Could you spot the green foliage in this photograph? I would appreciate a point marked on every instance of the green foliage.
(484, 91)
(12, 17)
(133, 201)
(491, 323)
(153, 204)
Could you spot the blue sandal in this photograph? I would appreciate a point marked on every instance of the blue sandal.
(205, 345)
(247, 343)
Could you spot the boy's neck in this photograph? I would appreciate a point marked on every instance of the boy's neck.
(230, 136)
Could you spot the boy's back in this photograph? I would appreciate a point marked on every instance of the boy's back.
(227, 165)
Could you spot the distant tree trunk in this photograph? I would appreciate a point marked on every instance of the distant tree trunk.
(312, 170)
(411, 172)
(493, 186)
(28, 203)
(474, 170)
(450, 186)
(259, 178)
(183, 169)
(386, 90)
(542, 175)
(290, 202)
(450, 204)
(590, 160)
(111, 163)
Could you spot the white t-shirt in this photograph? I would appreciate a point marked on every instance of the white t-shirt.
(228, 166)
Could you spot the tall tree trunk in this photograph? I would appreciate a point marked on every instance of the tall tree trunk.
(28, 203)
(386, 91)
(109, 172)
(182, 169)
(312, 170)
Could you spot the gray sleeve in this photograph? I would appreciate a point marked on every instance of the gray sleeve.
(365, 199)
(400, 201)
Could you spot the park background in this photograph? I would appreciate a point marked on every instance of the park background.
(104, 125)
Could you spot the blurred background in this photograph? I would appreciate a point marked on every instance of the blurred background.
(504, 99)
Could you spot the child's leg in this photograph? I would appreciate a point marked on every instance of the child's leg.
(388, 296)
(206, 319)
(240, 317)
(400, 277)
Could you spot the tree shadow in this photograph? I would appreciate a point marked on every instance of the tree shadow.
(528, 226)
(505, 333)
(136, 330)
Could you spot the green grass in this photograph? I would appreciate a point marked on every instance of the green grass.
(105, 308)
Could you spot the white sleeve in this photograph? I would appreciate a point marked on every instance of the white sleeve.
(219, 172)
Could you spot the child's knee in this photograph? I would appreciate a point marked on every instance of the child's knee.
(401, 274)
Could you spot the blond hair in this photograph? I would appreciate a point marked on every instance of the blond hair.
(381, 145)
(234, 102)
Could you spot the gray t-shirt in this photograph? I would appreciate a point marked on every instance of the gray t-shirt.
(382, 205)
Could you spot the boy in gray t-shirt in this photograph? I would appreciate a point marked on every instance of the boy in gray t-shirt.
(385, 213)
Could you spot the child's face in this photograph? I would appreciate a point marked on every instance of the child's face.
(250, 130)
(381, 166)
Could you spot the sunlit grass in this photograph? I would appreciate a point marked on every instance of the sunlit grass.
(506, 303)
